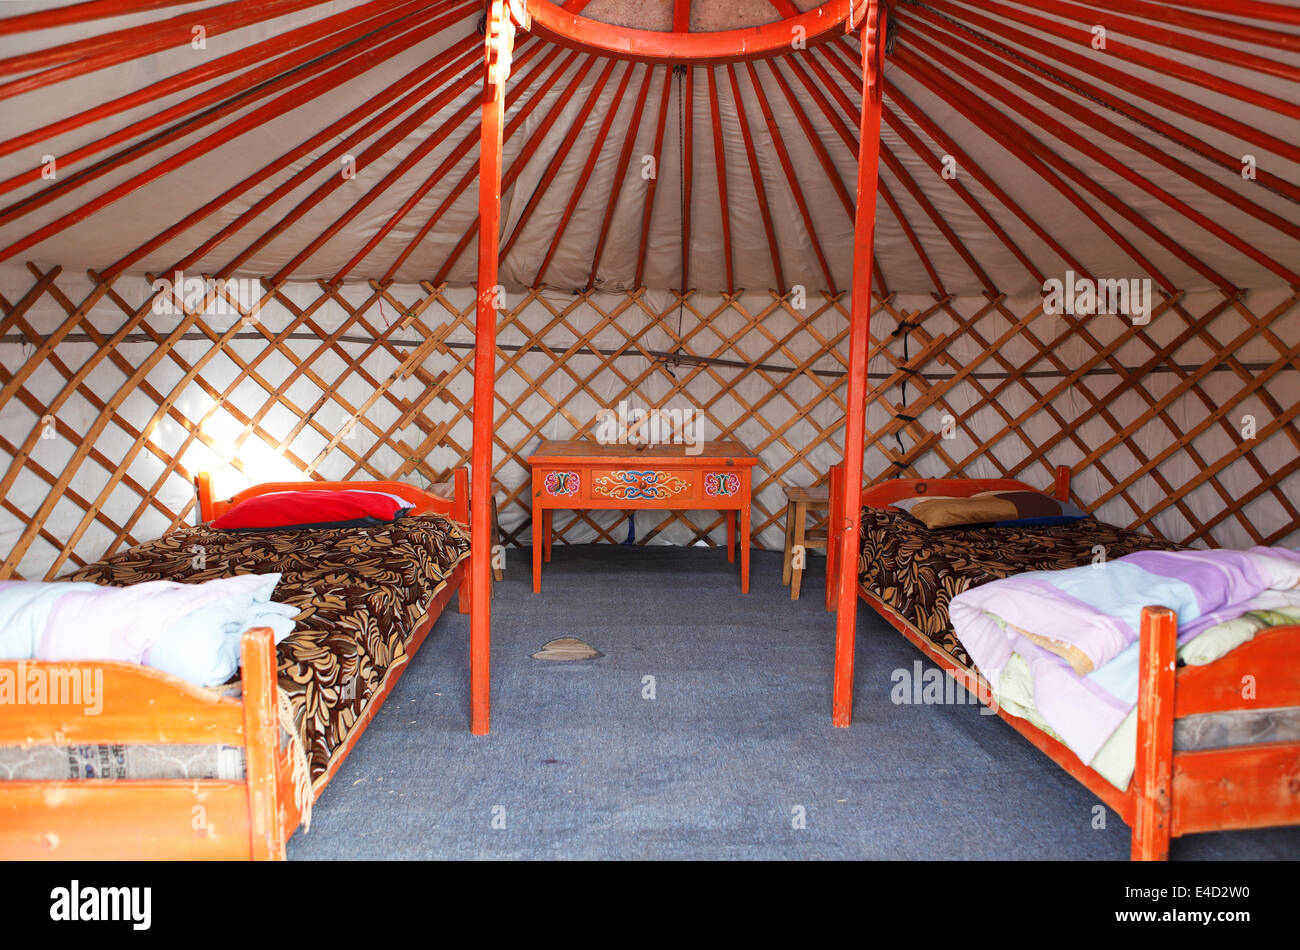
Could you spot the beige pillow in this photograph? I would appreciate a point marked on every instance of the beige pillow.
(950, 512)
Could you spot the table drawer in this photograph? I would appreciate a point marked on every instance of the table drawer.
(648, 484)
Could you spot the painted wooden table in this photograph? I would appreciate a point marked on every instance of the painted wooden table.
(578, 474)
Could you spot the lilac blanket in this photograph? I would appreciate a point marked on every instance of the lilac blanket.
(1071, 625)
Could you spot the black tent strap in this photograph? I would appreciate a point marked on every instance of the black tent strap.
(1183, 368)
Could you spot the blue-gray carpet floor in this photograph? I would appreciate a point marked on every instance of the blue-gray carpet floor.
(703, 732)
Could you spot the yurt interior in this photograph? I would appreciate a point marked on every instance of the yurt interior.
(650, 429)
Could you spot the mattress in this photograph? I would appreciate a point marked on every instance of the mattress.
(917, 570)
(361, 593)
(122, 762)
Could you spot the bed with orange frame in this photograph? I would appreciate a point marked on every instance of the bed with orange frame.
(1172, 793)
(186, 818)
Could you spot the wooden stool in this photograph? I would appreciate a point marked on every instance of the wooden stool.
(798, 501)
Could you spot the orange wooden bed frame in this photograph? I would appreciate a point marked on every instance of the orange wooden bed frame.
(185, 818)
(1172, 793)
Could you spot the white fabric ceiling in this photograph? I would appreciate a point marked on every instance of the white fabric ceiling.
(103, 237)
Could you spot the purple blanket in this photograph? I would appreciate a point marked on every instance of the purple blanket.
(1071, 625)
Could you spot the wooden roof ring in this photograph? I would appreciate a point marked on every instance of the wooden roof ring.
(565, 25)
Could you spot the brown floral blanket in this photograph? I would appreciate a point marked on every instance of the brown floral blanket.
(917, 570)
(361, 592)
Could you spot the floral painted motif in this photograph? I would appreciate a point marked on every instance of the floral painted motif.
(644, 485)
(721, 484)
(561, 483)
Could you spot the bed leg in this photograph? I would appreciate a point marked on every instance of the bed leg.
(261, 745)
(1153, 774)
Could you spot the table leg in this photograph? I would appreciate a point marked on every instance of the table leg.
(832, 536)
(731, 536)
(796, 573)
(548, 529)
(789, 540)
(539, 520)
(744, 549)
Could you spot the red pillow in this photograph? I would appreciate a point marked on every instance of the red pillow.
(311, 509)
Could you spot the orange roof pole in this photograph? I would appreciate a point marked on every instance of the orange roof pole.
(535, 137)
(720, 161)
(498, 48)
(633, 127)
(864, 227)
(783, 156)
(339, 133)
(340, 28)
(189, 115)
(747, 136)
(657, 153)
(581, 189)
(1064, 49)
(1083, 146)
(1131, 109)
(453, 158)
(79, 13)
(561, 152)
(1116, 133)
(264, 113)
(1041, 153)
(842, 128)
(60, 63)
(1255, 9)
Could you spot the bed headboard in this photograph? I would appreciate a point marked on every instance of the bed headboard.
(884, 494)
(456, 508)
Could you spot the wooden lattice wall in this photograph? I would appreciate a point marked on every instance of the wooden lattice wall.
(1185, 426)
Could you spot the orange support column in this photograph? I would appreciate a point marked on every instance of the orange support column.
(499, 44)
(848, 529)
